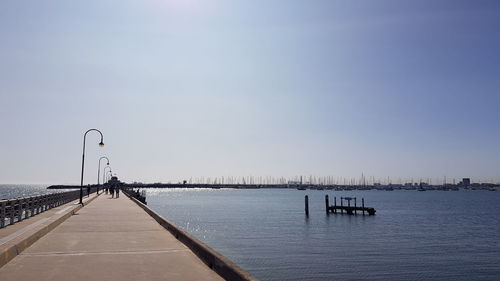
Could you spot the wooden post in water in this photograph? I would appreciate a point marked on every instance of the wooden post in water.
(341, 205)
(335, 204)
(307, 205)
(355, 211)
(327, 204)
(363, 205)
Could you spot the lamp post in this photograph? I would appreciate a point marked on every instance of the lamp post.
(99, 171)
(104, 174)
(83, 159)
(109, 175)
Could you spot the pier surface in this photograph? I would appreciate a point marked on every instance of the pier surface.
(108, 239)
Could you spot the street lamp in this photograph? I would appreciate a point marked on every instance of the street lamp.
(104, 174)
(83, 159)
(109, 175)
(99, 171)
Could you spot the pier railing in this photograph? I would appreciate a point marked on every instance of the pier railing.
(18, 209)
(139, 195)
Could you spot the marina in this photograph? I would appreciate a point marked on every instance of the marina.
(315, 184)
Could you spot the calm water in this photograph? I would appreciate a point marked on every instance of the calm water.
(9, 191)
(433, 235)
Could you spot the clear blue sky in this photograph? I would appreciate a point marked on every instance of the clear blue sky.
(400, 89)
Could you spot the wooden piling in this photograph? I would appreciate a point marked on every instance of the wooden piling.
(327, 204)
(348, 209)
(307, 205)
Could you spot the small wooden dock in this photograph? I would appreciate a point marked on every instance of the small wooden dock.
(346, 207)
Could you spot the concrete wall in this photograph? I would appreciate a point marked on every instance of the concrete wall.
(217, 262)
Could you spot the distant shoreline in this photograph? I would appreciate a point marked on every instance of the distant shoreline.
(390, 187)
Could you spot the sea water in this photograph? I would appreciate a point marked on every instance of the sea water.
(11, 191)
(432, 235)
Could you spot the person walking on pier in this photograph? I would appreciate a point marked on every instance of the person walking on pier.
(112, 191)
(117, 191)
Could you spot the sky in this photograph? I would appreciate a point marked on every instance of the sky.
(200, 88)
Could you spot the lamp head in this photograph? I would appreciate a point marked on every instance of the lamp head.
(101, 144)
(107, 164)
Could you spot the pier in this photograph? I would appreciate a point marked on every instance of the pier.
(107, 239)
(347, 208)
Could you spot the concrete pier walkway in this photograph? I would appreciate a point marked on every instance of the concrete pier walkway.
(108, 239)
